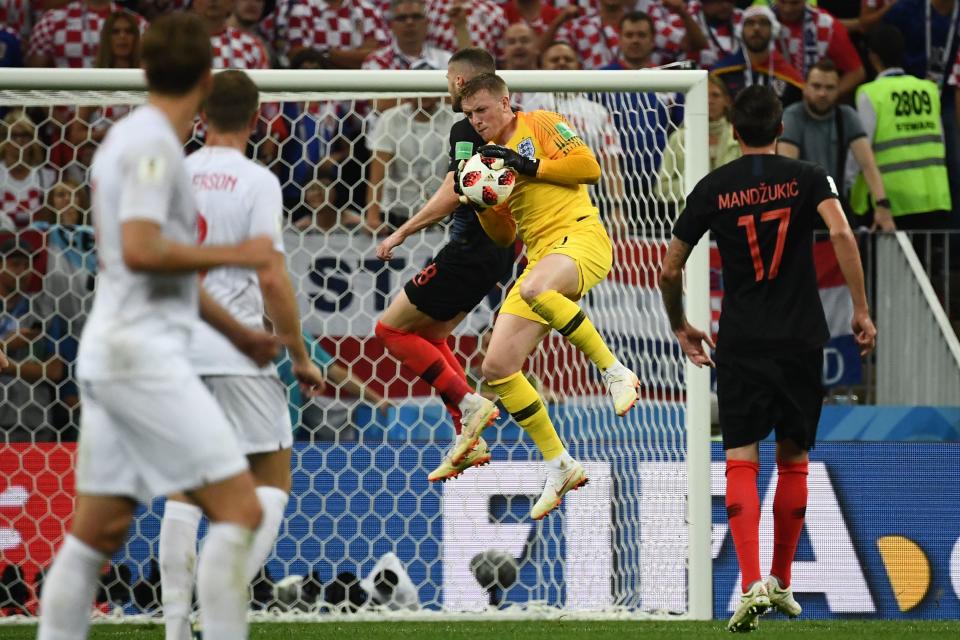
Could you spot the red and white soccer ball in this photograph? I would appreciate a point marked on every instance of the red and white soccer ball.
(486, 182)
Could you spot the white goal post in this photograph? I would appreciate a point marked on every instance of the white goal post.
(360, 491)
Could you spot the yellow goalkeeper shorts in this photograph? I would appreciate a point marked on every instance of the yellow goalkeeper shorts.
(587, 244)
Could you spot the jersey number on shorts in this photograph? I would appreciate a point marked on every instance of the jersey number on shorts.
(750, 226)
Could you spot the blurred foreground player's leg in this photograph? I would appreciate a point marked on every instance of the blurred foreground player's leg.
(149, 426)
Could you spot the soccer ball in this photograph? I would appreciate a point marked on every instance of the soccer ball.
(486, 182)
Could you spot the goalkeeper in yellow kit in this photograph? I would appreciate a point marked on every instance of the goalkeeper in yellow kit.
(568, 252)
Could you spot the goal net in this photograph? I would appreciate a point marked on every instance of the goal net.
(350, 147)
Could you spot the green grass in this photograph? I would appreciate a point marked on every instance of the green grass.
(548, 630)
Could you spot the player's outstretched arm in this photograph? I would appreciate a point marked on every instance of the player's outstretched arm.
(280, 302)
(848, 256)
(146, 249)
(259, 346)
(439, 206)
(671, 290)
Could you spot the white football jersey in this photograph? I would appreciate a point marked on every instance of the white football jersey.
(140, 323)
(237, 199)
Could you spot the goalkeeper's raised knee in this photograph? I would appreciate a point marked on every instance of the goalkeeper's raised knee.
(569, 319)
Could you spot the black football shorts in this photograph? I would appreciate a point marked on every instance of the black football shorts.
(758, 394)
(459, 277)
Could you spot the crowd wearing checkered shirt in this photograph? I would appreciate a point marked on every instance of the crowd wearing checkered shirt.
(323, 151)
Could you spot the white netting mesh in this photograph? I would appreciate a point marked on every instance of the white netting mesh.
(360, 464)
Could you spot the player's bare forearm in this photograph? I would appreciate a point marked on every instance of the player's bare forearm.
(845, 247)
(280, 302)
(671, 282)
(146, 249)
(576, 168)
(848, 257)
(440, 205)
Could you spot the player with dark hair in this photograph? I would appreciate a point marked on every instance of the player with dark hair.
(238, 198)
(149, 426)
(761, 209)
(568, 253)
(416, 325)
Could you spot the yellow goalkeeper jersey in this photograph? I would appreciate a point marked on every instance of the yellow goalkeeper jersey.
(546, 211)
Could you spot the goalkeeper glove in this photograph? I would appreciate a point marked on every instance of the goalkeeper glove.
(520, 164)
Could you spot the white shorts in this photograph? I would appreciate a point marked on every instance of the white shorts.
(147, 438)
(256, 407)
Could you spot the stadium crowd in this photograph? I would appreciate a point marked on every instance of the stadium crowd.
(355, 168)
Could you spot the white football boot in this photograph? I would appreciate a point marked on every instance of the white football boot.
(569, 476)
(782, 598)
(622, 385)
(753, 604)
(477, 457)
(477, 413)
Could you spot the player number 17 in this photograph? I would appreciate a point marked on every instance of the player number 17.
(748, 223)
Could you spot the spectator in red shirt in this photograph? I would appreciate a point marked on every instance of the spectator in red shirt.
(457, 24)
(409, 48)
(536, 13)
(344, 31)
(70, 37)
(232, 48)
(809, 34)
(248, 16)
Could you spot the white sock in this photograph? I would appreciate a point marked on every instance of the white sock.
(273, 502)
(222, 581)
(68, 592)
(178, 564)
(560, 461)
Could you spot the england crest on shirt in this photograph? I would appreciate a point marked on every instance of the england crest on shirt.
(525, 148)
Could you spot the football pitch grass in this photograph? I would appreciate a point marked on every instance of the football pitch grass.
(547, 630)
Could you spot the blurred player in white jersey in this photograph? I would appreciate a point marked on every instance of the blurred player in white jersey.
(238, 199)
(150, 427)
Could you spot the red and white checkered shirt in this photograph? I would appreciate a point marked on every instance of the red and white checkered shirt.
(20, 199)
(391, 58)
(16, 15)
(832, 41)
(721, 41)
(486, 23)
(235, 49)
(954, 78)
(71, 35)
(598, 45)
(317, 24)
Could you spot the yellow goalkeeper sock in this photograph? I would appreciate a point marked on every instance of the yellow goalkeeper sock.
(568, 318)
(521, 400)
